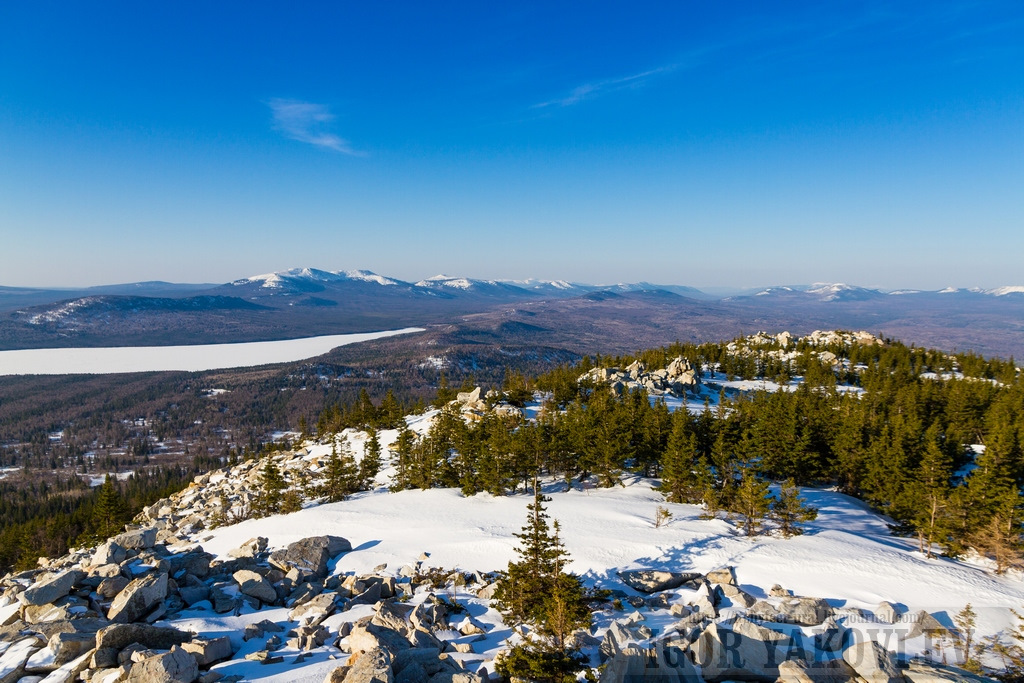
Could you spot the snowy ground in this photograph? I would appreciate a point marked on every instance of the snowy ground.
(185, 358)
(846, 556)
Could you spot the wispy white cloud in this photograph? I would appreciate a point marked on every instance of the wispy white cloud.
(594, 89)
(308, 122)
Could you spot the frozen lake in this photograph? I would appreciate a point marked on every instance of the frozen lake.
(108, 360)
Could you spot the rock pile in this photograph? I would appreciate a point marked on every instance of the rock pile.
(677, 378)
(97, 615)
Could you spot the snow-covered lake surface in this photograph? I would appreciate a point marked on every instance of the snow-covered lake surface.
(109, 360)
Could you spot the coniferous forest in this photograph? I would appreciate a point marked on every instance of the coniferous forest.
(933, 440)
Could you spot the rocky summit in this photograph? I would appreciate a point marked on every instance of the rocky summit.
(151, 605)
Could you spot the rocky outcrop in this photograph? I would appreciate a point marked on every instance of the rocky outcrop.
(677, 378)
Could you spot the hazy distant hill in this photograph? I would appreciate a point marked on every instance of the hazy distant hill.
(307, 302)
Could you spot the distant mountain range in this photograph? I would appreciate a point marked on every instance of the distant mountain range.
(308, 302)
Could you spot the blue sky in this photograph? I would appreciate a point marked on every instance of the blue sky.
(707, 144)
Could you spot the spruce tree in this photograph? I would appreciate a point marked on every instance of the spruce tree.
(751, 501)
(404, 452)
(789, 510)
(341, 476)
(537, 592)
(271, 489)
(111, 511)
(930, 493)
(371, 462)
(679, 483)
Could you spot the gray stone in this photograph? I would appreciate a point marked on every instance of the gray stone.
(310, 553)
(922, 623)
(105, 571)
(872, 662)
(826, 671)
(138, 598)
(737, 596)
(190, 595)
(887, 612)
(108, 553)
(653, 580)
(370, 636)
(69, 671)
(176, 666)
(208, 651)
(109, 588)
(931, 672)
(12, 662)
(662, 665)
(373, 666)
(254, 585)
(314, 611)
(196, 563)
(69, 646)
(120, 636)
(137, 539)
(51, 589)
(805, 611)
(725, 575)
(740, 650)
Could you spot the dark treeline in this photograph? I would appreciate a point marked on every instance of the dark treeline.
(897, 426)
(44, 520)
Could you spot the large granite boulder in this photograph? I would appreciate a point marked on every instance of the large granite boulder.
(176, 666)
(255, 586)
(52, 588)
(138, 598)
(872, 662)
(310, 553)
(739, 649)
(120, 636)
(137, 539)
(654, 580)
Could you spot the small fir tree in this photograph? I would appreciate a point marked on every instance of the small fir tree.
(789, 510)
(271, 490)
(341, 476)
(537, 592)
(752, 502)
(111, 511)
(371, 463)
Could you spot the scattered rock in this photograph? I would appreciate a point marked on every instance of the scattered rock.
(120, 636)
(725, 575)
(887, 612)
(653, 580)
